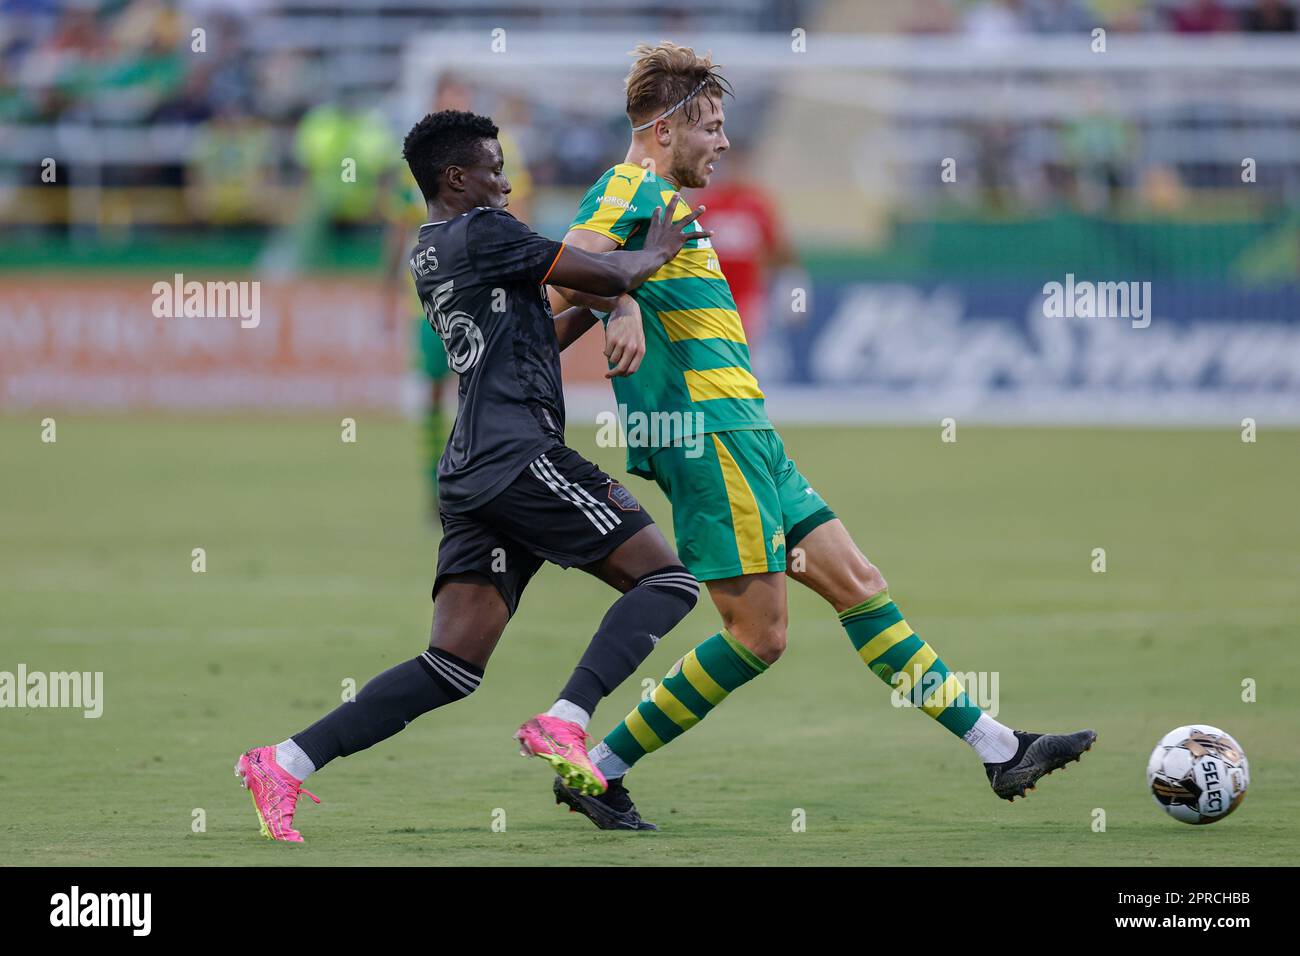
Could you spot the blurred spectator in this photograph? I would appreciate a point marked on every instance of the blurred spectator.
(267, 98)
(1058, 16)
(1127, 16)
(1201, 16)
(930, 16)
(1269, 16)
(231, 170)
(993, 22)
(344, 150)
(748, 236)
(1100, 148)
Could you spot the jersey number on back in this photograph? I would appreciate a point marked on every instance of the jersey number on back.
(460, 336)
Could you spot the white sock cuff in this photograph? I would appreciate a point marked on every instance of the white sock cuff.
(994, 742)
(568, 710)
(293, 759)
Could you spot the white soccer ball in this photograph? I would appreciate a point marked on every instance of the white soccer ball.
(1198, 774)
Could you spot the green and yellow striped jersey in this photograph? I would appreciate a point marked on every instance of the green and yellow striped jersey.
(697, 359)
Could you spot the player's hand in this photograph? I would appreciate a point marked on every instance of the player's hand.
(666, 236)
(624, 338)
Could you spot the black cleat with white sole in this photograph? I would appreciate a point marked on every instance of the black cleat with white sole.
(1036, 757)
(612, 810)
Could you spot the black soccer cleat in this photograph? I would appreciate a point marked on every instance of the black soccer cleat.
(612, 810)
(1037, 756)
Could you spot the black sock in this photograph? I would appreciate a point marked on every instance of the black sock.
(650, 609)
(388, 703)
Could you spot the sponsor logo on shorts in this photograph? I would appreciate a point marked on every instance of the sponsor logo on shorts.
(622, 498)
(778, 540)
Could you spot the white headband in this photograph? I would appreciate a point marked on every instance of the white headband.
(680, 103)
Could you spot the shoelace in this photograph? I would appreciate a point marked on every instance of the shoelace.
(292, 790)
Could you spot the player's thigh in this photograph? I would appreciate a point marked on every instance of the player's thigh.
(726, 514)
(643, 553)
(754, 611)
(828, 561)
(469, 617)
(802, 508)
(481, 576)
(565, 510)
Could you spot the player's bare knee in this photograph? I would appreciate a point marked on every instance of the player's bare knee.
(870, 581)
(766, 639)
(860, 581)
(774, 645)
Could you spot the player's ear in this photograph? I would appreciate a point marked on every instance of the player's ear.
(664, 132)
(455, 177)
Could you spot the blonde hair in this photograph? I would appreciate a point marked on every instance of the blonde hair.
(667, 76)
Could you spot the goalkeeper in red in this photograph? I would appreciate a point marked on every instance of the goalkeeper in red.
(745, 518)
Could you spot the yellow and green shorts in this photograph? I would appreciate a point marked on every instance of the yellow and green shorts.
(740, 505)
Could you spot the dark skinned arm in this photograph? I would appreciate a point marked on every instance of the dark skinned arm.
(613, 273)
(572, 324)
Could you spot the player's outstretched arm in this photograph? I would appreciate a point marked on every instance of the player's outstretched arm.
(624, 338)
(613, 273)
(589, 241)
(572, 324)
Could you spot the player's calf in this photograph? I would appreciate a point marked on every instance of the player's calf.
(385, 705)
(700, 681)
(833, 566)
(652, 607)
(754, 612)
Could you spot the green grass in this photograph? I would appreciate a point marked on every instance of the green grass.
(319, 564)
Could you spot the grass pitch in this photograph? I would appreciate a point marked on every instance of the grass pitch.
(319, 563)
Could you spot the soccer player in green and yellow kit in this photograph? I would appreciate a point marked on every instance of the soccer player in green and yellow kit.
(740, 506)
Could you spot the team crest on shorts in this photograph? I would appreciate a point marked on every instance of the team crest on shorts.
(622, 498)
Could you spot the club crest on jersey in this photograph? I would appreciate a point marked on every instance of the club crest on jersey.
(622, 498)
(462, 339)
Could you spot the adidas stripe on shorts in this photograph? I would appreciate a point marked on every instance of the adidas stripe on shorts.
(561, 508)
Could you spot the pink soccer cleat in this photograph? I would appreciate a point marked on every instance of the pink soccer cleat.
(562, 744)
(274, 791)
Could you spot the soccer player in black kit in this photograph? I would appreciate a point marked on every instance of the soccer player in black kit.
(511, 495)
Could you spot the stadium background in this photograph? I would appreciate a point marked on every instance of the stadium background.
(133, 148)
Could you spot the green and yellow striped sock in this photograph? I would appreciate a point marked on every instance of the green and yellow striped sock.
(695, 685)
(890, 647)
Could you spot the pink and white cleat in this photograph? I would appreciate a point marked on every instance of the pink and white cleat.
(562, 744)
(274, 791)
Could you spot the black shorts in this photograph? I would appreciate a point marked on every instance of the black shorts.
(561, 508)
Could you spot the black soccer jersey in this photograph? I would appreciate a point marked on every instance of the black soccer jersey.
(479, 277)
